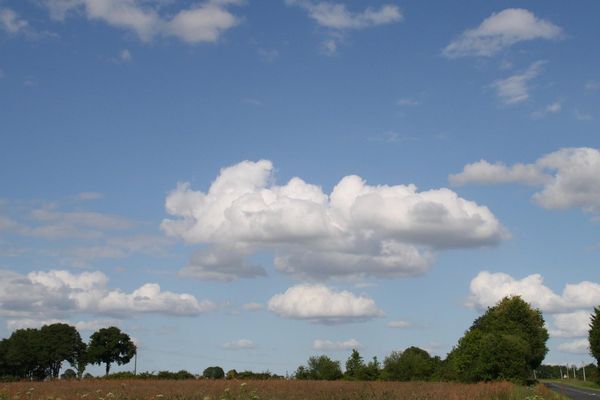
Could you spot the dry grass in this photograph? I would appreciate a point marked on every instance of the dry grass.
(262, 390)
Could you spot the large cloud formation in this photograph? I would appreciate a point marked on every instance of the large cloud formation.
(569, 178)
(570, 310)
(55, 293)
(500, 31)
(354, 231)
(320, 304)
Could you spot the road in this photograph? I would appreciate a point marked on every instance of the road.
(573, 392)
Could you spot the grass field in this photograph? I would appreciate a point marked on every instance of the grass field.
(268, 390)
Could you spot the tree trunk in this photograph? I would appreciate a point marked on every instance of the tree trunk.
(107, 368)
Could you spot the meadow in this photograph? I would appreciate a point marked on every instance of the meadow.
(99, 389)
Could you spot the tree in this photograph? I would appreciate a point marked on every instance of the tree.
(60, 342)
(25, 354)
(507, 342)
(594, 337)
(411, 364)
(355, 367)
(214, 373)
(231, 374)
(109, 345)
(372, 370)
(320, 368)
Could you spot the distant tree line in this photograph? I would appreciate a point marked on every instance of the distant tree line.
(506, 343)
(38, 354)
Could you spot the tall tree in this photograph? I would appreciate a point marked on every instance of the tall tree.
(355, 367)
(109, 345)
(594, 337)
(60, 342)
(507, 342)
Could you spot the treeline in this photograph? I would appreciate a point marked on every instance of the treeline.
(38, 354)
(508, 342)
(209, 373)
(589, 372)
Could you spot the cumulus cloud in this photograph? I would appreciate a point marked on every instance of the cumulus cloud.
(337, 18)
(242, 344)
(320, 304)
(580, 346)
(354, 231)
(570, 311)
(329, 345)
(203, 22)
(487, 288)
(515, 88)
(40, 294)
(568, 325)
(500, 31)
(569, 178)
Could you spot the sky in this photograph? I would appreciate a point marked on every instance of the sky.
(248, 183)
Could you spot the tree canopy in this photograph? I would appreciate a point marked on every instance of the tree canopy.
(507, 342)
(110, 345)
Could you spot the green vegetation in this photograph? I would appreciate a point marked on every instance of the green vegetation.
(110, 345)
(506, 343)
(320, 368)
(594, 339)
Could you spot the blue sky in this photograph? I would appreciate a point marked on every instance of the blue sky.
(297, 176)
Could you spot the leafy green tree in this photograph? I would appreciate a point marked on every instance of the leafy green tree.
(25, 354)
(214, 373)
(324, 368)
(355, 367)
(507, 342)
(411, 364)
(60, 342)
(594, 337)
(372, 371)
(110, 345)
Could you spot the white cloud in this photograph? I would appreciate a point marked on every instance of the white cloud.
(580, 346)
(487, 288)
(320, 304)
(204, 22)
(552, 108)
(252, 306)
(569, 178)
(337, 16)
(354, 231)
(500, 31)
(87, 196)
(242, 344)
(515, 89)
(400, 324)
(573, 324)
(482, 172)
(328, 345)
(11, 22)
(41, 294)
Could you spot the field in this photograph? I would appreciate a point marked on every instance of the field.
(267, 390)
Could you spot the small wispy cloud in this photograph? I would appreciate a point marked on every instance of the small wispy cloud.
(241, 344)
(553, 108)
(515, 88)
(125, 56)
(407, 101)
(592, 86)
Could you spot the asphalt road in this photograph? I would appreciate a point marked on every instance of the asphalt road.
(573, 392)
